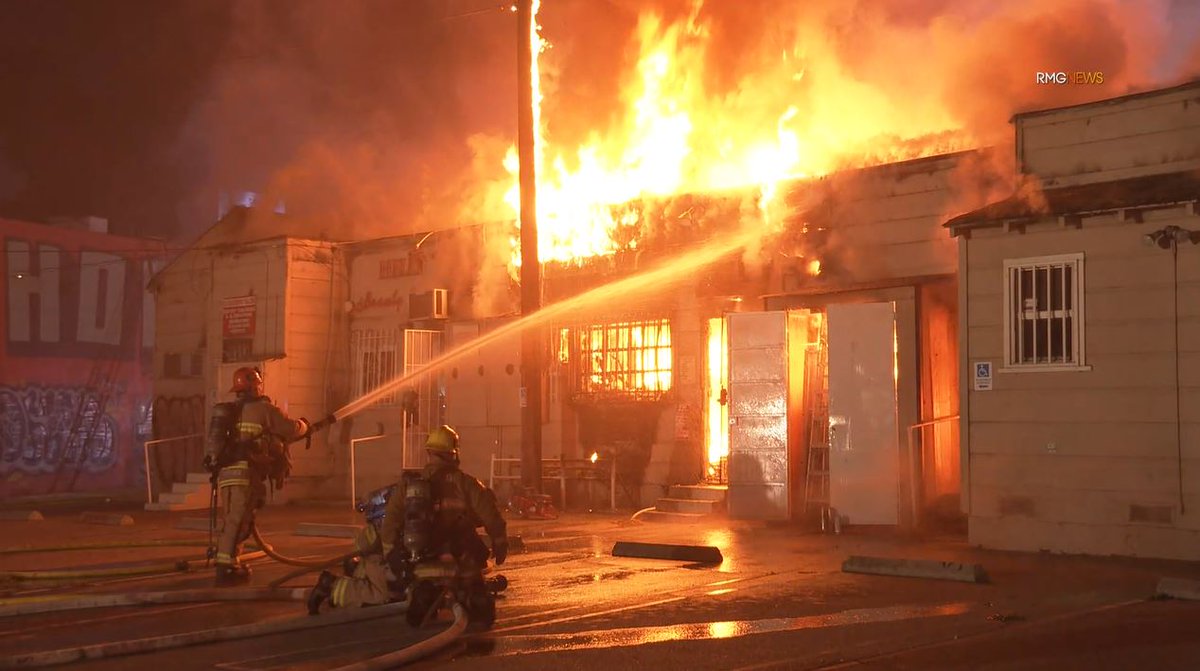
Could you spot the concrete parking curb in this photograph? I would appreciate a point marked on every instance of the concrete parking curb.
(111, 519)
(1179, 588)
(21, 515)
(704, 554)
(326, 530)
(915, 568)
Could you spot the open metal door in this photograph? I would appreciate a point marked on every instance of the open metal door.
(864, 443)
(758, 427)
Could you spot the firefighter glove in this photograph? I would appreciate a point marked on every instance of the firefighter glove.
(500, 550)
(209, 464)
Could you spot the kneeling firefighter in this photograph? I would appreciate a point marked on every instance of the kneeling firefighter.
(427, 514)
(247, 445)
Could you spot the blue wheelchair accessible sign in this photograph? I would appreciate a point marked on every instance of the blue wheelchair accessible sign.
(983, 375)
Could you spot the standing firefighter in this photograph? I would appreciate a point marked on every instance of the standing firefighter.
(454, 505)
(247, 445)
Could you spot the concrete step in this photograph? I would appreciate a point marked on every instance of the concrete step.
(702, 506)
(676, 518)
(200, 498)
(198, 478)
(189, 487)
(698, 492)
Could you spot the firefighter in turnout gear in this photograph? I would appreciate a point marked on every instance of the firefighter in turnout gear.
(247, 445)
(457, 504)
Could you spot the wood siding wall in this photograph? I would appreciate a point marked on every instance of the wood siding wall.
(1086, 461)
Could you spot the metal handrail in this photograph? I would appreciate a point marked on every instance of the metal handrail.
(146, 453)
(914, 455)
(562, 463)
(353, 471)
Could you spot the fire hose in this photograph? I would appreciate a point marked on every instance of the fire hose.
(170, 641)
(417, 650)
(62, 602)
(116, 572)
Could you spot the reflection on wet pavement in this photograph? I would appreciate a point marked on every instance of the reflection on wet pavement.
(619, 638)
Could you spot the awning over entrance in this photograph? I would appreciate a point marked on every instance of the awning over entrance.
(1135, 192)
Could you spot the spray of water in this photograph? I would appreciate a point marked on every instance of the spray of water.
(654, 279)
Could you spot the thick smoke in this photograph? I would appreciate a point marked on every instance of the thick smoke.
(380, 118)
(353, 114)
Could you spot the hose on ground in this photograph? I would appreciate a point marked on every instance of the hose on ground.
(119, 571)
(106, 546)
(279, 582)
(643, 510)
(292, 561)
(170, 641)
(417, 650)
(62, 602)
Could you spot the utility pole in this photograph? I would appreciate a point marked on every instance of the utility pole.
(531, 269)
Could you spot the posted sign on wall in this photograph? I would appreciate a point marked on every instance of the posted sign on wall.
(237, 317)
(983, 376)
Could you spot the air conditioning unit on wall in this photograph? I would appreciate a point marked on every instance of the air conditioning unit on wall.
(433, 304)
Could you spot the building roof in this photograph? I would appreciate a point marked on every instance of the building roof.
(1194, 84)
(1131, 193)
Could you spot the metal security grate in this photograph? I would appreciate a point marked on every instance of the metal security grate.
(1043, 311)
(631, 359)
(376, 360)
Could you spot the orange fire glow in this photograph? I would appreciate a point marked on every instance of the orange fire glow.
(799, 114)
(595, 456)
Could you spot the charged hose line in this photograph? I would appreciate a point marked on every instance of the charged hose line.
(291, 561)
(63, 602)
(120, 571)
(279, 582)
(171, 641)
(643, 510)
(106, 546)
(417, 650)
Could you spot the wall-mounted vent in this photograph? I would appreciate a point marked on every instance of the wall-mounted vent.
(433, 304)
(1016, 505)
(1151, 514)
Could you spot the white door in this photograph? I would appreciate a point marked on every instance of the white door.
(864, 443)
(758, 399)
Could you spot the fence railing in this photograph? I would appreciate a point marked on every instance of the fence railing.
(916, 454)
(155, 443)
(558, 469)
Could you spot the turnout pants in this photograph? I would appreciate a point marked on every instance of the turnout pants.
(239, 502)
(367, 587)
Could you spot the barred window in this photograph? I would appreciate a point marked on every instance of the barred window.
(631, 358)
(376, 360)
(1043, 318)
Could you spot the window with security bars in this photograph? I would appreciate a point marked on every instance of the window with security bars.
(629, 359)
(1043, 319)
(376, 360)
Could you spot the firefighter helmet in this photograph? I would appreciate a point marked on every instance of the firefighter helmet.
(443, 440)
(246, 380)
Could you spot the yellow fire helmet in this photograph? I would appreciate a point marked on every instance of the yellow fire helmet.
(443, 440)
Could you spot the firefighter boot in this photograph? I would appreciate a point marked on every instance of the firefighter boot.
(320, 592)
(232, 575)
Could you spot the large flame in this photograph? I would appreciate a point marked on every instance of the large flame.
(798, 116)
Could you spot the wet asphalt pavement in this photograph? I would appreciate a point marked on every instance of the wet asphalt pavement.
(779, 600)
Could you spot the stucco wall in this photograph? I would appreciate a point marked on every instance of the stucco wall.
(1057, 459)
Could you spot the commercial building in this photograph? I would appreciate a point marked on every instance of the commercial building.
(1080, 309)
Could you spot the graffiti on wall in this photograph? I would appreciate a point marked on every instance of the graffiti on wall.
(43, 428)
